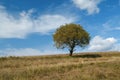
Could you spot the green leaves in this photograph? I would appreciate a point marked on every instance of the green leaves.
(70, 36)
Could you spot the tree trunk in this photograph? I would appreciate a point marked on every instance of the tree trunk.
(71, 52)
(72, 46)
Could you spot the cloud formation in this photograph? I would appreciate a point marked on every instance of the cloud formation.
(112, 24)
(19, 52)
(97, 44)
(23, 24)
(28, 52)
(90, 5)
(103, 44)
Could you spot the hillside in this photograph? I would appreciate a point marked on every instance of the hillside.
(87, 66)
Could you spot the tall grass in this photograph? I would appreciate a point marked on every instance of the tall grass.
(87, 66)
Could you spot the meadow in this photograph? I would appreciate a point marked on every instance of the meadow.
(81, 66)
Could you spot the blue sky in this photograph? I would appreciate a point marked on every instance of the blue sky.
(26, 27)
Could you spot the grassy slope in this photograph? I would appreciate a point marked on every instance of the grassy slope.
(87, 66)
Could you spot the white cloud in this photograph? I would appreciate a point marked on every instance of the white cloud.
(28, 52)
(47, 23)
(116, 47)
(100, 44)
(24, 24)
(19, 52)
(111, 27)
(112, 24)
(90, 5)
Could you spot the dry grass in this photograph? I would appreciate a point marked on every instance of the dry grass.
(87, 66)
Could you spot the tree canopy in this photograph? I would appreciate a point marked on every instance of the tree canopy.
(71, 35)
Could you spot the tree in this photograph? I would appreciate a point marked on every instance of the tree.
(69, 36)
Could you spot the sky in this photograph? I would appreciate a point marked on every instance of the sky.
(26, 27)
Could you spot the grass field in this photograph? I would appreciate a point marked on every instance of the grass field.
(87, 66)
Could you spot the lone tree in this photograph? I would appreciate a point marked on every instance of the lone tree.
(69, 36)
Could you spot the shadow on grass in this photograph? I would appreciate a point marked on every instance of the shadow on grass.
(87, 56)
